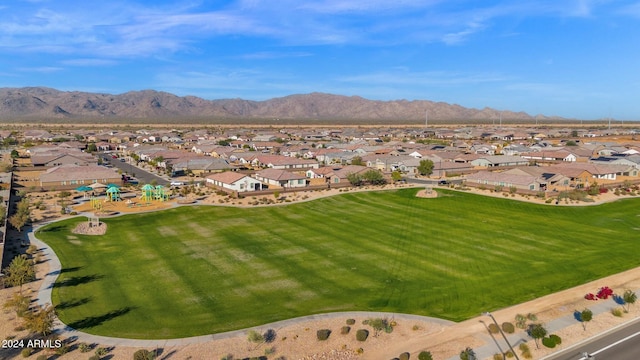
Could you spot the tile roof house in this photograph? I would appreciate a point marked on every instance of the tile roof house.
(72, 176)
(280, 177)
(234, 181)
(505, 180)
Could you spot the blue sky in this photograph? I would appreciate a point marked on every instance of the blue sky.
(573, 58)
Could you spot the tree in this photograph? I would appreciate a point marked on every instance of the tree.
(425, 168)
(396, 176)
(629, 298)
(355, 179)
(92, 147)
(586, 315)
(15, 154)
(20, 271)
(18, 220)
(537, 332)
(63, 195)
(468, 354)
(357, 160)
(378, 325)
(255, 337)
(374, 177)
(41, 320)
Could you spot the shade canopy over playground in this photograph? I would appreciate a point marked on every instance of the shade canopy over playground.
(113, 193)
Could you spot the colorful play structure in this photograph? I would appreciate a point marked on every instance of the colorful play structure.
(150, 193)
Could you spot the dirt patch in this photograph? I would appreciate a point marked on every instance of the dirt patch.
(88, 228)
(427, 193)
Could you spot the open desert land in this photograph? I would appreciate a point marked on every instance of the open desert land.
(297, 339)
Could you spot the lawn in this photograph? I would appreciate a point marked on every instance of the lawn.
(199, 270)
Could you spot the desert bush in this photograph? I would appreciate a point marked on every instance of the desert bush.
(101, 351)
(143, 354)
(62, 350)
(323, 334)
(26, 352)
(616, 312)
(497, 357)
(255, 337)
(269, 336)
(509, 354)
(44, 357)
(508, 327)
(84, 347)
(548, 342)
(425, 355)
(526, 352)
(351, 321)
(493, 328)
(270, 351)
(416, 327)
(362, 334)
(532, 317)
(404, 356)
(345, 330)
(94, 357)
(227, 357)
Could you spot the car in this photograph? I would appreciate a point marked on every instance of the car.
(177, 183)
(443, 182)
(122, 160)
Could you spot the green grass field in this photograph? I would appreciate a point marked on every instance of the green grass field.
(198, 270)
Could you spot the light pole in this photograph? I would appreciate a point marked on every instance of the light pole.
(502, 333)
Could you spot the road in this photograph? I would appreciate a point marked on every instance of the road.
(622, 344)
(143, 176)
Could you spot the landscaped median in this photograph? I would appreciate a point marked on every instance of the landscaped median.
(199, 270)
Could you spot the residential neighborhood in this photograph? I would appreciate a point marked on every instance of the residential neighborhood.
(531, 160)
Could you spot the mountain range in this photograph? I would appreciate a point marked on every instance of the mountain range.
(46, 103)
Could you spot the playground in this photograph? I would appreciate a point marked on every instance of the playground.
(114, 200)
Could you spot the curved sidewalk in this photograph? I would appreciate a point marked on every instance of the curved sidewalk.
(44, 298)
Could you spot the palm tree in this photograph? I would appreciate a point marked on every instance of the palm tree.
(629, 298)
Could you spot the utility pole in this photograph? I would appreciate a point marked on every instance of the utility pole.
(503, 335)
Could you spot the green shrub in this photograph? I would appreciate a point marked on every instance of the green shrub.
(351, 321)
(362, 334)
(62, 349)
(425, 355)
(143, 354)
(26, 352)
(345, 330)
(548, 342)
(556, 339)
(493, 328)
(508, 327)
(404, 356)
(323, 334)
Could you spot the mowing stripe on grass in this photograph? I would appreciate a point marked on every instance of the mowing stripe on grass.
(198, 270)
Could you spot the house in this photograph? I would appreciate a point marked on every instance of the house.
(59, 158)
(200, 165)
(234, 181)
(341, 175)
(283, 162)
(71, 176)
(281, 178)
(556, 156)
(499, 160)
(505, 180)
